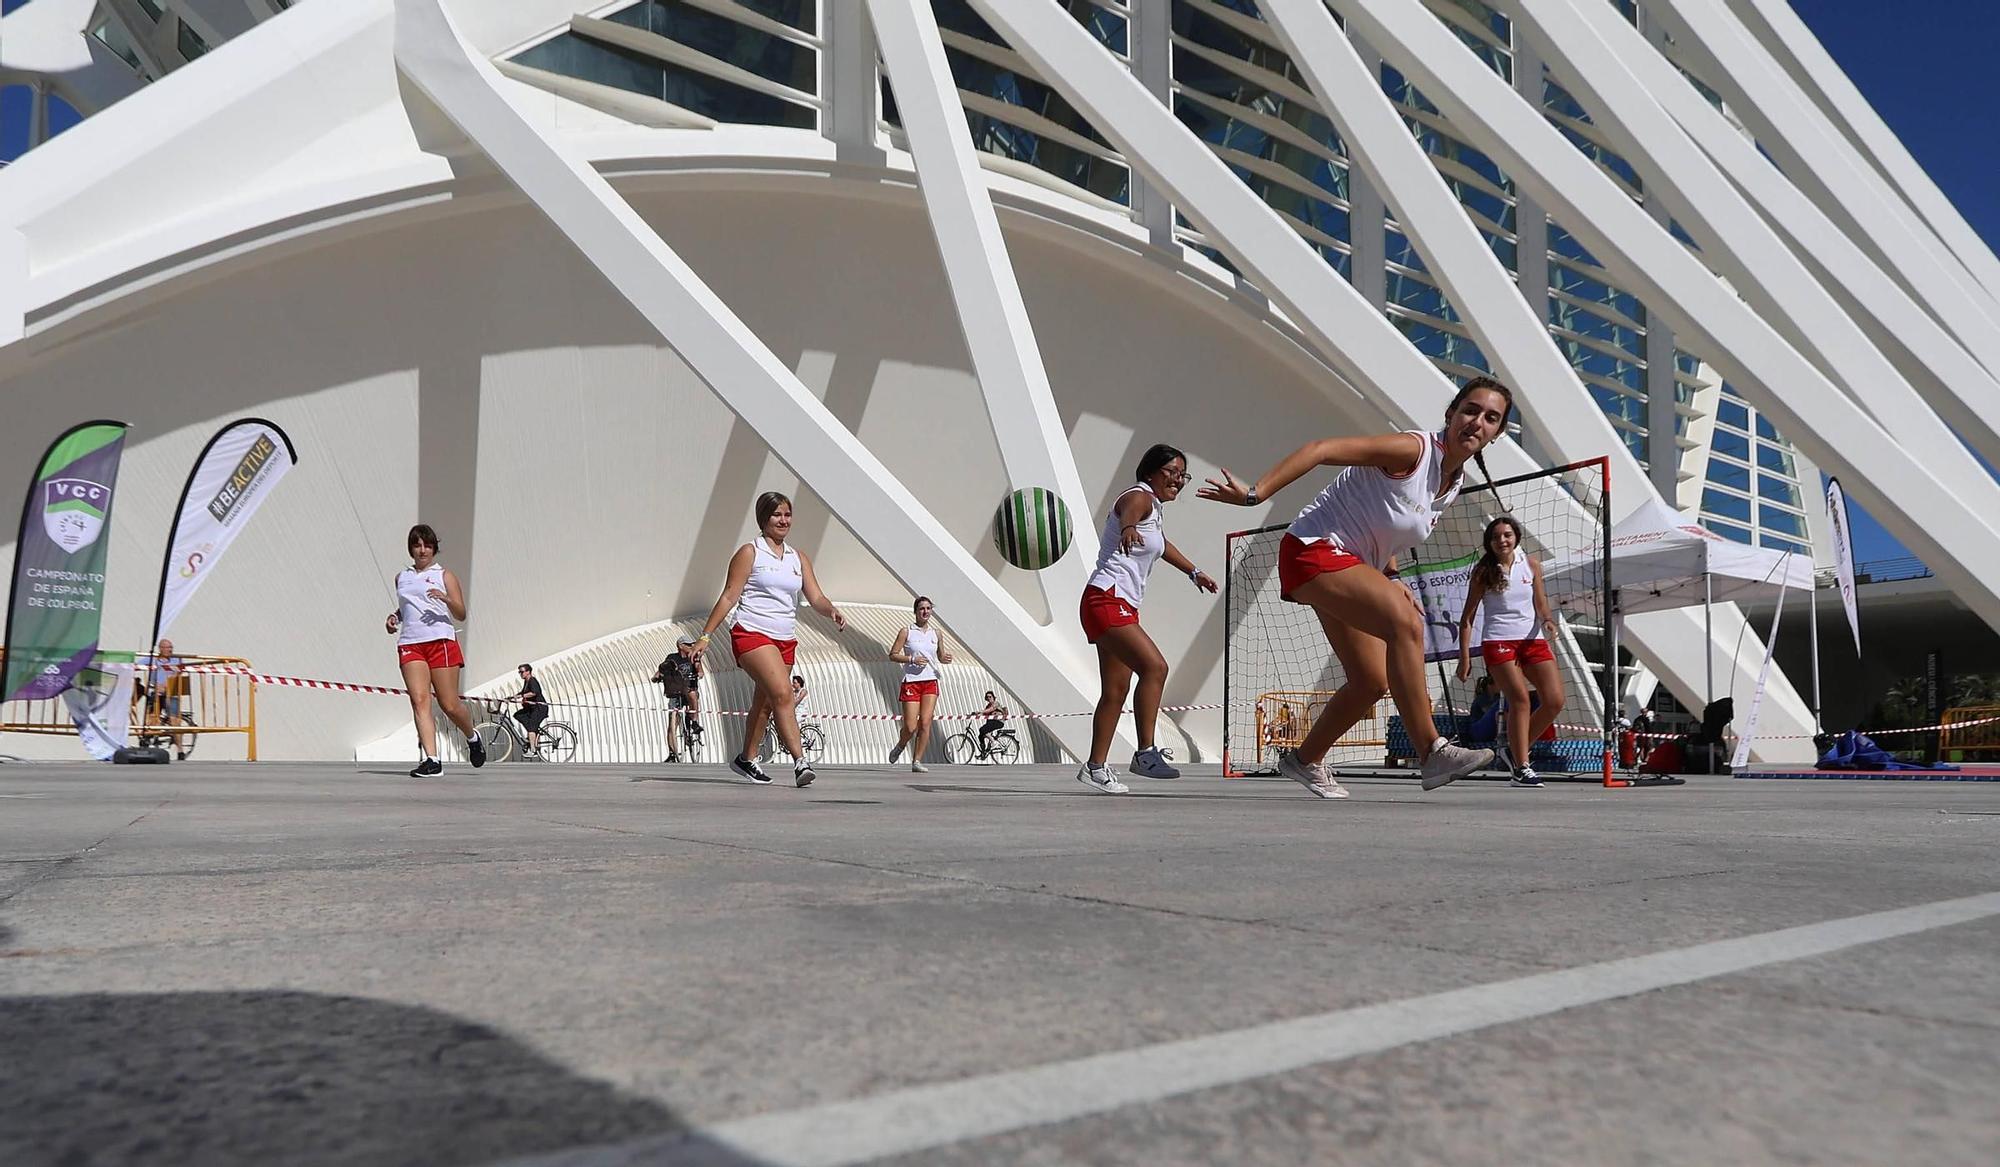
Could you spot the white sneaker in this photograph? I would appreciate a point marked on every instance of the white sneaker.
(917, 767)
(1448, 763)
(1525, 777)
(1313, 777)
(1151, 762)
(1101, 778)
(896, 751)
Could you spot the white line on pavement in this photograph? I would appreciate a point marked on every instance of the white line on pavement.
(923, 1117)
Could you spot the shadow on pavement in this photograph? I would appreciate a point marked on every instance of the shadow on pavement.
(223, 1078)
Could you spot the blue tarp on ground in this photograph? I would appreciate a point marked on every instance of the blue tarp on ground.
(1858, 751)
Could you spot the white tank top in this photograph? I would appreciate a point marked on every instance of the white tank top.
(1509, 613)
(1123, 573)
(1373, 514)
(770, 600)
(922, 642)
(423, 618)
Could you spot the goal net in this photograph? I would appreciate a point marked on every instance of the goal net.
(1279, 672)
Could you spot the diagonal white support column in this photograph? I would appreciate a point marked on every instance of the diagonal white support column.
(1918, 345)
(1811, 153)
(746, 375)
(1034, 447)
(1353, 335)
(1918, 509)
(1738, 244)
(1777, 26)
(1509, 331)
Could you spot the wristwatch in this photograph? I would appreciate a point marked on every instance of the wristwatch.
(1250, 498)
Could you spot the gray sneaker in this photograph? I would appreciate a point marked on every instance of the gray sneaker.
(1152, 762)
(1314, 777)
(917, 767)
(896, 751)
(802, 774)
(1100, 778)
(1448, 763)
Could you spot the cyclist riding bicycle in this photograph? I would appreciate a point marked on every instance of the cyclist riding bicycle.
(679, 678)
(534, 707)
(996, 717)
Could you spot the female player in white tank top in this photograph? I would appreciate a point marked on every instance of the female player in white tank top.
(1336, 558)
(428, 599)
(766, 578)
(1506, 592)
(1131, 542)
(919, 648)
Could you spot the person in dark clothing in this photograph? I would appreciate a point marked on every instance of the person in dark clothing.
(534, 707)
(679, 677)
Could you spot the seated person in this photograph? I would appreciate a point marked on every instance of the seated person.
(679, 678)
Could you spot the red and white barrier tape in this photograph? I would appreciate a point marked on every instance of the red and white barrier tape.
(387, 691)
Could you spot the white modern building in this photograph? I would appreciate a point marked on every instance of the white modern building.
(574, 281)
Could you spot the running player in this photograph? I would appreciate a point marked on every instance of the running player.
(428, 599)
(1388, 497)
(760, 598)
(919, 648)
(1131, 542)
(1506, 591)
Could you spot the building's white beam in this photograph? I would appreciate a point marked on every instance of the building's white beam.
(1738, 244)
(1918, 345)
(744, 373)
(850, 95)
(1793, 45)
(1352, 334)
(1511, 333)
(1034, 446)
(1919, 510)
(1813, 156)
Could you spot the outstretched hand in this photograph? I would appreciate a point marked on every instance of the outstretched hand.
(1227, 490)
(1206, 582)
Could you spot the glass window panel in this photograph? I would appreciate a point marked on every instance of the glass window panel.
(1729, 474)
(1773, 458)
(1727, 505)
(1735, 445)
(1728, 530)
(1733, 413)
(1783, 521)
(1778, 490)
(1765, 429)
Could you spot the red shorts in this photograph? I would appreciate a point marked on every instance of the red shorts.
(438, 654)
(742, 640)
(1299, 561)
(1531, 651)
(915, 690)
(1102, 611)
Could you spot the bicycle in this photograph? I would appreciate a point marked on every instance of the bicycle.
(160, 734)
(505, 738)
(1000, 748)
(690, 735)
(812, 739)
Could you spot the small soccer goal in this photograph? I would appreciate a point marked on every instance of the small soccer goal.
(1279, 674)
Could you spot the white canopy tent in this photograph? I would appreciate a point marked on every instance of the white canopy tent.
(1660, 559)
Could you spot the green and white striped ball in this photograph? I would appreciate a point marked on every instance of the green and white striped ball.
(1031, 528)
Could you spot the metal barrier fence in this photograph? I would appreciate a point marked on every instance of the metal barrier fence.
(186, 704)
(1960, 742)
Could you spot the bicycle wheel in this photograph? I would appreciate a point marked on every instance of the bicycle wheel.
(499, 743)
(958, 749)
(812, 741)
(1003, 747)
(558, 741)
(189, 739)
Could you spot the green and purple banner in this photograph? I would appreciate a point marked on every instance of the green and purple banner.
(57, 603)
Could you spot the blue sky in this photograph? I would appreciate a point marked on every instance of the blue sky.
(1927, 69)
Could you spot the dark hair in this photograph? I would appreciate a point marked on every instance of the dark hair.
(524, 665)
(800, 678)
(767, 505)
(1156, 457)
(919, 602)
(423, 532)
(1467, 390)
(1486, 573)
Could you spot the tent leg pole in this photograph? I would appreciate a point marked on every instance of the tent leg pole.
(1814, 597)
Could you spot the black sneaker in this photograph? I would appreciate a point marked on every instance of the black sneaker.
(476, 751)
(671, 759)
(802, 774)
(750, 770)
(1525, 776)
(428, 768)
